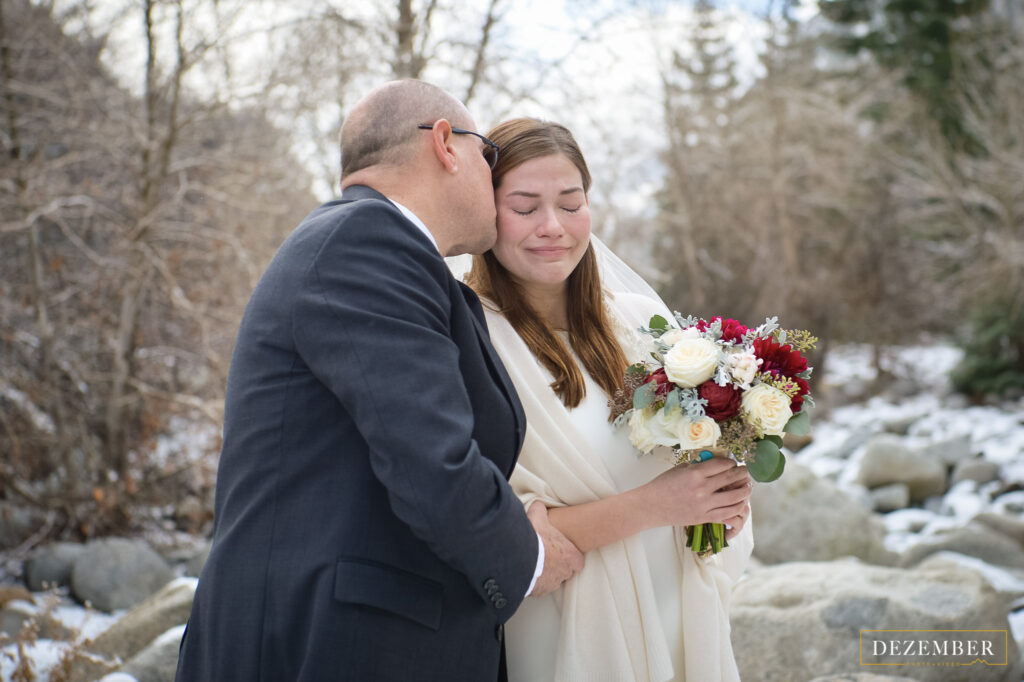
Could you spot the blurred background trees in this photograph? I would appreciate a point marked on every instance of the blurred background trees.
(855, 167)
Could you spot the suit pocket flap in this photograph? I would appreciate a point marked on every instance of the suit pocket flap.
(389, 588)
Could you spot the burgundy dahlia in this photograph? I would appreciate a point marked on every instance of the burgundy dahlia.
(779, 359)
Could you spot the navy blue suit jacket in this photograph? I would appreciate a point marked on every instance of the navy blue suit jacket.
(365, 529)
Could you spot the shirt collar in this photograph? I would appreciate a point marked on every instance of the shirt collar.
(417, 222)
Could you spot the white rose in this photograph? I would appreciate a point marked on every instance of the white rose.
(703, 433)
(691, 362)
(664, 427)
(768, 408)
(674, 336)
(639, 434)
(743, 367)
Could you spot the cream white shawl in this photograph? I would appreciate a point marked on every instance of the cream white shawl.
(610, 626)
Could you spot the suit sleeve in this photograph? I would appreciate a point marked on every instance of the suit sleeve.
(372, 321)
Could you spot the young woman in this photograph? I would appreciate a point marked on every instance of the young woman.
(644, 607)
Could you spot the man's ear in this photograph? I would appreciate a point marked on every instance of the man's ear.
(442, 144)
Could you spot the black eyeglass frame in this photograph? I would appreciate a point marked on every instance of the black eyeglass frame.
(491, 156)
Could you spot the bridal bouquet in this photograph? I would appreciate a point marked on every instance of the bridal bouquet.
(718, 385)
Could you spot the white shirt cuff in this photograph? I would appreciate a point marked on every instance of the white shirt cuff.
(540, 565)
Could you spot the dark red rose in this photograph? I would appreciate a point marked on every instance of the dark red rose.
(732, 331)
(661, 380)
(779, 359)
(723, 401)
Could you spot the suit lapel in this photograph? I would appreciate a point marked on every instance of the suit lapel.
(495, 364)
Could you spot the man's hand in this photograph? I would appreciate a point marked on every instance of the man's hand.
(561, 558)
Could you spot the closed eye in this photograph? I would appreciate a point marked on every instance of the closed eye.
(523, 212)
(572, 210)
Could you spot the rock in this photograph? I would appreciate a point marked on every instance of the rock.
(195, 565)
(900, 425)
(951, 451)
(1010, 526)
(115, 573)
(158, 662)
(138, 628)
(1008, 582)
(807, 616)
(857, 438)
(50, 566)
(888, 459)
(973, 540)
(17, 524)
(862, 677)
(979, 470)
(887, 498)
(796, 443)
(801, 517)
(14, 615)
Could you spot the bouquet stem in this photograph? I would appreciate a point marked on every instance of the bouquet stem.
(706, 539)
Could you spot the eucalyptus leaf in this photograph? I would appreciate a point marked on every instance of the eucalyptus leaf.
(767, 463)
(672, 400)
(799, 424)
(775, 439)
(644, 396)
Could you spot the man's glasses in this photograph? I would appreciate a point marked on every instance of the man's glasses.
(490, 149)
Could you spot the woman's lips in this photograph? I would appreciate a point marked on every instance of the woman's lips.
(548, 250)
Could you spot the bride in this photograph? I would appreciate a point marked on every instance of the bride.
(562, 312)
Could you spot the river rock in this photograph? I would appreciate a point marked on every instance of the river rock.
(974, 540)
(888, 459)
(158, 662)
(17, 524)
(137, 629)
(115, 573)
(952, 450)
(801, 517)
(979, 470)
(887, 498)
(50, 565)
(1010, 526)
(806, 617)
(862, 677)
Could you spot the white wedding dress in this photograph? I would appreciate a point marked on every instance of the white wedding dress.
(532, 635)
(644, 609)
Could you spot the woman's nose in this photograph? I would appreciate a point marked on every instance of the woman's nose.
(549, 226)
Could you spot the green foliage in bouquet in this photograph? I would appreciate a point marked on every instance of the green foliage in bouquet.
(993, 362)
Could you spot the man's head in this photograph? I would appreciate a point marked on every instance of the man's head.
(381, 129)
(440, 175)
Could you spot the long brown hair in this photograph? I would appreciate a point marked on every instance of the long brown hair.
(590, 334)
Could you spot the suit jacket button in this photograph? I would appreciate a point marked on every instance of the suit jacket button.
(500, 603)
(490, 583)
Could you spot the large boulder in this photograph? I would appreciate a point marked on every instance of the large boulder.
(888, 459)
(136, 630)
(974, 540)
(801, 517)
(805, 618)
(51, 565)
(115, 573)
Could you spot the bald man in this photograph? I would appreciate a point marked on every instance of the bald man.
(365, 529)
